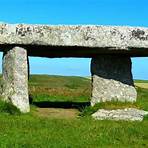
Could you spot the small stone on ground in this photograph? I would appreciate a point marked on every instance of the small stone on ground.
(127, 114)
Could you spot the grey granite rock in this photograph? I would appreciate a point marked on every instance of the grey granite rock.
(15, 78)
(108, 37)
(128, 114)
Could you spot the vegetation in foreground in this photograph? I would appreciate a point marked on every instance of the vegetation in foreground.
(31, 130)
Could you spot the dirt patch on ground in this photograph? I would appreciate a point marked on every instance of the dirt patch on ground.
(59, 113)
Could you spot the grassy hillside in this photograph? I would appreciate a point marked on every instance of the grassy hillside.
(34, 130)
(59, 88)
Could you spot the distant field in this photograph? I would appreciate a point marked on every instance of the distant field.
(141, 81)
(142, 85)
(59, 88)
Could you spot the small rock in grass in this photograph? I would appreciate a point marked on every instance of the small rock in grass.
(127, 114)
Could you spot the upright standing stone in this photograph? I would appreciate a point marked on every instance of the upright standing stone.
(112, 79)
(15, 78)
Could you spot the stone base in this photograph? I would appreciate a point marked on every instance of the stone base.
(15, 78)
(127, 114)
(112, 79)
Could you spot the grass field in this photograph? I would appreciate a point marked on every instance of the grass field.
(142, 85)
(51, 126)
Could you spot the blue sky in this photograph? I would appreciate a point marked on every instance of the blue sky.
(100, 12)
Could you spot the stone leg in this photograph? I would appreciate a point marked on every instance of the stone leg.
(112, 79)
(15, 78)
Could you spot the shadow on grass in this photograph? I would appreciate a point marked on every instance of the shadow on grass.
(66, 105)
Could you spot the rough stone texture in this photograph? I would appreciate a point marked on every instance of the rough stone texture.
(15, 78)
(112, 79)
(109, 38)
(128, 114)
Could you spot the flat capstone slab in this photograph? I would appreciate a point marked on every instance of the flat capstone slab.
(127, 114)
(101, 39)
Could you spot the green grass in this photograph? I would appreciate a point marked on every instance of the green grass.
(9, 108)
(141, 81)
(28, 131)
(32, 131)
(59, 88)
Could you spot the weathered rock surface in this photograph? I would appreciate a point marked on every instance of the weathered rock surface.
(101, 39)
(15, 78)
(128, 114)
(112, 79)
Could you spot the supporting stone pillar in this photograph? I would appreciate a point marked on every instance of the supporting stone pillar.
(112, 79)
(15, 78)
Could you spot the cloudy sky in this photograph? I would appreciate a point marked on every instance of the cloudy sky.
(99, 12)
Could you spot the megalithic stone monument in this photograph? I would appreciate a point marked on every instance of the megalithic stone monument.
(110, 48)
